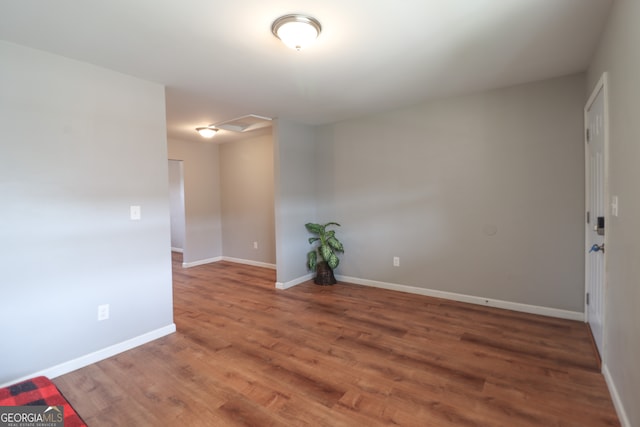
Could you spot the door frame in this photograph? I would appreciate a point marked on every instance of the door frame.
(601, 85)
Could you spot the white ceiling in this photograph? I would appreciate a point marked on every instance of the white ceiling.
(219, 60)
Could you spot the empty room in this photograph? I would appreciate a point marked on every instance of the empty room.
(320, 213)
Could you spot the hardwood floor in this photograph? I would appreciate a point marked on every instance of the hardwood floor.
(246, 354)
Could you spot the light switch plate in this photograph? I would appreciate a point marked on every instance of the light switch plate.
(136, 212)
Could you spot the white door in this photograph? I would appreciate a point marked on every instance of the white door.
(597, 218)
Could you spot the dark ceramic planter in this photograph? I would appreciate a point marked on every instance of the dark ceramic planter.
(324, 275)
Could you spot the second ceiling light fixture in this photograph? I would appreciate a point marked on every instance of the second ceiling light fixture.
(296, 31)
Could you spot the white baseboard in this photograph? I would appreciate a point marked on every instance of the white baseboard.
(96, 356)
(617, 402)
(179, 250)
(249, 262)
(230, 259)
(294, 282)
(526, 308)
(201, 262)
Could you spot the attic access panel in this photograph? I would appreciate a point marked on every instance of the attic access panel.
(245, 123)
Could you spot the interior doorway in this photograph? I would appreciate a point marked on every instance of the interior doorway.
(176, 202)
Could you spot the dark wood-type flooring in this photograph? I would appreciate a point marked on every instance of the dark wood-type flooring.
(246, 354)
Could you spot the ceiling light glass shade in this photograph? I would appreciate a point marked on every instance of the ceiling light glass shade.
(207, 132)
(296, 31)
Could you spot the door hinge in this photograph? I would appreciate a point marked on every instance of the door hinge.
(587, 298)
(588, 217)
(588, 135)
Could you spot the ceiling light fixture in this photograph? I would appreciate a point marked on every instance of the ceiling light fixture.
(296, 31)
(207, 131)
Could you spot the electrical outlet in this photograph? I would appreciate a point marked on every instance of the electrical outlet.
(396, 261)
(103, 312)
(255, 245)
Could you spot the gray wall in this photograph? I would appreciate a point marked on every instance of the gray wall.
(295, 198)
(619, 55)
(78, 146)
(480, 195)
(203, 225)
(246, 168)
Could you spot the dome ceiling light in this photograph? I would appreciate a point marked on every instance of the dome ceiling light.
(207, 131)
(296, 31)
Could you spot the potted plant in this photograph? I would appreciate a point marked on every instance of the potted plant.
(322, 258)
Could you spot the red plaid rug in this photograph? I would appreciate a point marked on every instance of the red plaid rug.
(39, 391)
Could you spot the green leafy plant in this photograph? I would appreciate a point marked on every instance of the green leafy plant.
(327, 245)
